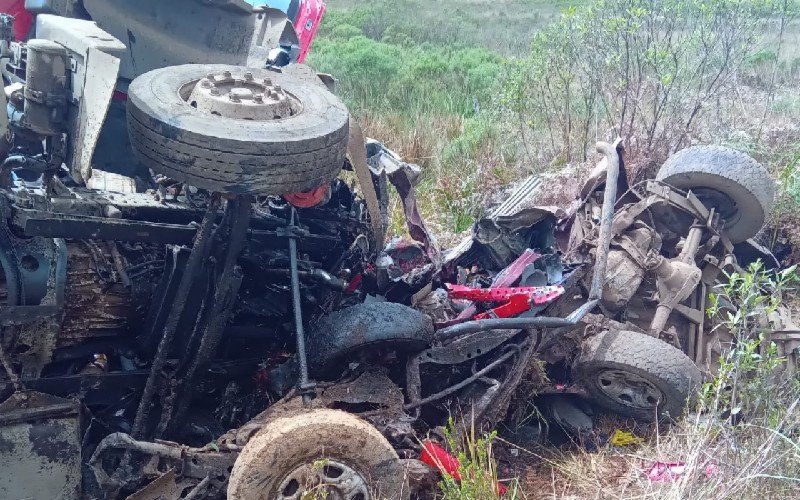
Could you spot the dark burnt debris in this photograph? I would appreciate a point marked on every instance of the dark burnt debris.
(195, 304)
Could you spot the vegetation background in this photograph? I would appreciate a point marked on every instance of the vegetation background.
(483, 93)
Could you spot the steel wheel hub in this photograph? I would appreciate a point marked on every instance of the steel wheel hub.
(629, 389)
(241, 96)
(332, 480)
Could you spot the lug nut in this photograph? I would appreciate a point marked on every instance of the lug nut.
(227, 74)
(206, 84)
(278, 88)
(267, 82)
(234, 97)
(248, 76)
(258, 98)
(214, 91)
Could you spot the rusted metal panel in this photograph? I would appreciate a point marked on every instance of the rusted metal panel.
(39, 448)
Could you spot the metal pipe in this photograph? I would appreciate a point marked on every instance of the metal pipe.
(607, 218)
(514, 323)
(302, 360)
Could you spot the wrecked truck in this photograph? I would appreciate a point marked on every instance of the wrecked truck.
(198, 305)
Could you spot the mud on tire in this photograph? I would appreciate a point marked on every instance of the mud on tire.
(740, 189)
(240, 156)
(636, 375)
(314, 444)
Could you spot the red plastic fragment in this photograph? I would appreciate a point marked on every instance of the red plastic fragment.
(309, 198)
(438, 458)
(537, 294)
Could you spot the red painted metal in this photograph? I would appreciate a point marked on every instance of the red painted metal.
(537, 294)
(517, 299)
(506, 277)
(307, 23)
(23, 20)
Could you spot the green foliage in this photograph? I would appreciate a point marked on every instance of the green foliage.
(747, 379)
(477, 467)
(637, 68)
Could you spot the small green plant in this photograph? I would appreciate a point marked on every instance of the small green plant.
(747, 373)
(477, 467)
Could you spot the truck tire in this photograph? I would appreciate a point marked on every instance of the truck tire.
(733, 183)
(330, 452)
(636, 375)
(237, 130)
(378, 325)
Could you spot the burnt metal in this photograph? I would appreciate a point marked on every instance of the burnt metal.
(227, 288)
(51, 225)
(20, 315)
(193, 265)
(464, 383)
(196, 463)
(306, 387)
(465, 348)
(40, 446)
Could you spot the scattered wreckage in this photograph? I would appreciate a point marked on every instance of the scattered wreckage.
(234, 326)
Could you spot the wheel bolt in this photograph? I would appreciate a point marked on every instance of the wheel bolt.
(248, 76)
(211, 76)
(214, 91)
(227, 74)
(205, 84)
(267, 82)
(278, 88)
(258, 98)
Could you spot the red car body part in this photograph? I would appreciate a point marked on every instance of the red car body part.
(438, 458)
(538, 294)
(309, 199)
(505, 278)
(307, 22)
(23, 20)
(516, 300)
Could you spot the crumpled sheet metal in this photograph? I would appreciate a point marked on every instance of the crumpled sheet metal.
(384, 162)
(510, 228)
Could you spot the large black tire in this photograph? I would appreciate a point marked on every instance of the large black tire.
(320, 439)
(238, 156)
(636, 375)
(378, 325)
(741, 190)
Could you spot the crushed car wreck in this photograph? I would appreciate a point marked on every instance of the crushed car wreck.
(214, 313)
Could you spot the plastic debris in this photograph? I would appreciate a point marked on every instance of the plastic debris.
(661, 472)
(622, 438)
(438, 458)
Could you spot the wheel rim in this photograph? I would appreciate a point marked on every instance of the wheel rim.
(629, 389)
(240, 96)
(332, 480)
(721, 202)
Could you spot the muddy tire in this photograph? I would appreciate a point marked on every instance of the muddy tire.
(297, 150)
(295, 453)
(635, 375)
(380, 325)
(733, 183)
